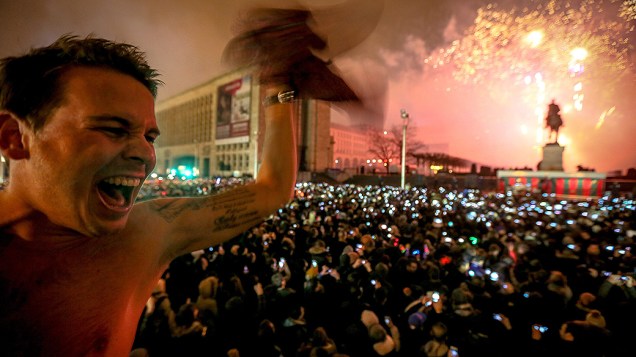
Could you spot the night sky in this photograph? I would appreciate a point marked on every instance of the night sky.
(466, 72)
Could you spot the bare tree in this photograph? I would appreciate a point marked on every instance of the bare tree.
(412, 144)
(387, 145)
(383, 148)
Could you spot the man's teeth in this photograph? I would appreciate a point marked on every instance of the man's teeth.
(123, 181)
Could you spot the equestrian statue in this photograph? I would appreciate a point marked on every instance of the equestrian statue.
(553, 121)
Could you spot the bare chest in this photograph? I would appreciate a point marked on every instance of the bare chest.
(71, 301)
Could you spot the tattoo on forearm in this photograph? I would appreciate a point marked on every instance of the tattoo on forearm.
(234, 217)
(236, 207)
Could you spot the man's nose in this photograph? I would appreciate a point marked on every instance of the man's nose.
(139, 149)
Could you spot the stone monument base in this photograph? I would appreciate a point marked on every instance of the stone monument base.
(552, 157)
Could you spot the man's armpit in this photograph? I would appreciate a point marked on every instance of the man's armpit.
(230, 210)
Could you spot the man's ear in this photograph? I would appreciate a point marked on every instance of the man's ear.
(11, 143)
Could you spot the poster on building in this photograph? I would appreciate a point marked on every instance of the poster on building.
(233, 111)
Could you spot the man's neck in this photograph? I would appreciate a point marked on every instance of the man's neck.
(11, 210)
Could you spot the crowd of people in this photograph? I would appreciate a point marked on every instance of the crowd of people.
(354, 271)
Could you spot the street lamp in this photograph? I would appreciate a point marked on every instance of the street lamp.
(255, 163)
(405, 123)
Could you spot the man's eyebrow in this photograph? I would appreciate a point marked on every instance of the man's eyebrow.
(104, 118)
(122, 121)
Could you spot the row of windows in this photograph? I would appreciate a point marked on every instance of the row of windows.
(350, 144)
(349, 135)
(233, 162)
(188, 123)
(342, 135)
(233, 147)
(350, 151)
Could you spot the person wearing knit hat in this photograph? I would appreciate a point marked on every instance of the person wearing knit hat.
(416, 320)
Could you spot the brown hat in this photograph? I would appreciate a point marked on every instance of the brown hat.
(586, 299)
(595, 318)
(318, 247)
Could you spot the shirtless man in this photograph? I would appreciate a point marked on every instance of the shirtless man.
(78, 257)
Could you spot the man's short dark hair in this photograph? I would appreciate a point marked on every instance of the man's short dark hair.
(30, 86)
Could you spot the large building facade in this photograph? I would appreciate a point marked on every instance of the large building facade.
(217, 129)
(351, 148)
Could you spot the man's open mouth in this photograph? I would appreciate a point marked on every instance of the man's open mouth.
(117, 192)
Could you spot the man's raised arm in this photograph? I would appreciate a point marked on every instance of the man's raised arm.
(279, 44)
(188, 224)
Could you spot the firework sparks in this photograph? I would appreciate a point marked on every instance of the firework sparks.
(556, 39)
(604, 116)
(628, 10)
(554, 50)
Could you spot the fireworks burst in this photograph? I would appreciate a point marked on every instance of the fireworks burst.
(628, 10)
(553, 39)
(554, 50)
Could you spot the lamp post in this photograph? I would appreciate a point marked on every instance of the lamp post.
(405, 123)
(255, 163)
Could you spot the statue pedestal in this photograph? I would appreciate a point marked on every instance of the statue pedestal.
(562, 184)
(552, 157)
